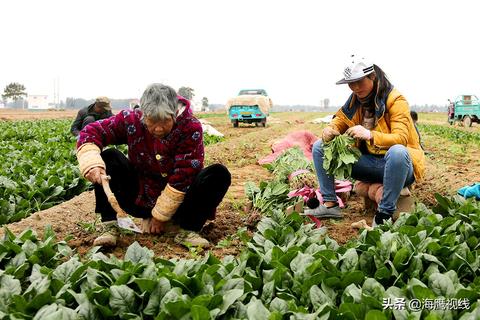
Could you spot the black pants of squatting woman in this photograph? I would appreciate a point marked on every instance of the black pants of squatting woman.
(200, 203)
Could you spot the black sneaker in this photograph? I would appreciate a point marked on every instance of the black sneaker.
(380, 218)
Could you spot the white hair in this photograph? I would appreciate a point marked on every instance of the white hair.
(159, 102)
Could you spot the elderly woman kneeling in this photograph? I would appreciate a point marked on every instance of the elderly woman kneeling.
(163, 179)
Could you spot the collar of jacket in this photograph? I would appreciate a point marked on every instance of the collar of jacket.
(353, 104)
(90, 108)
(187, 111)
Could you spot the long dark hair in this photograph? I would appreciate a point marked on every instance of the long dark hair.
(383, 85)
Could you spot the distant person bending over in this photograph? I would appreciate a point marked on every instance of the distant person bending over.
(378, 117)
(414, 116)
(100, 109)
(163, 179)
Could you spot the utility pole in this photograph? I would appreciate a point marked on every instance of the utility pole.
(56, 92)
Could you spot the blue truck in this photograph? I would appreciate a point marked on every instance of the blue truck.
(465, 109)
(250, 106)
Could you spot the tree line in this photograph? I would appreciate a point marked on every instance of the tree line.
(16, 92)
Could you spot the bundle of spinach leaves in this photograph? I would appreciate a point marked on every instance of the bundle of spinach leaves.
(273, 194)
(268, 195)
(290, 161)
(339, 155)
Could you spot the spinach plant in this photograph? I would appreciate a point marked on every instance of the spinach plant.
(339, 156)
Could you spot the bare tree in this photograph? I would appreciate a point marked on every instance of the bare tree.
(186, 92)
(204, 103)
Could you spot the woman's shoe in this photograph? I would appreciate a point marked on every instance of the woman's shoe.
(323, 212)
(108, 236)
(380, 219)
(191, 238)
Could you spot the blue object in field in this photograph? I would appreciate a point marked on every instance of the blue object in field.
(466, 109)
(470, 191)
(247, 114)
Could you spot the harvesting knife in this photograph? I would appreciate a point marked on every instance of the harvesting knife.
(123, 220)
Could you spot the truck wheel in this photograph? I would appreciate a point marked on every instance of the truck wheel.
(467, 121)
(235, 124)
(264, 123)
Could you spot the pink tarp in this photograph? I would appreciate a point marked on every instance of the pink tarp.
(303, 139)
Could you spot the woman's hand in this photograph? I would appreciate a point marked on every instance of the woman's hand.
(146, 222)
(359, 132)
(94, 175)
(156, 226)
(329, 133)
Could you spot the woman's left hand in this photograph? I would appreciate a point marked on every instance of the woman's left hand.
(156, 226)
(359, 132)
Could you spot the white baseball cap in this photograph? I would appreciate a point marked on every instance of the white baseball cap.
(357, 68)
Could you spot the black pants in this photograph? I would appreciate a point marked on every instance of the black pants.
(201, 198)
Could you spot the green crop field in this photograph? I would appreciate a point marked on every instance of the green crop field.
(426, 265)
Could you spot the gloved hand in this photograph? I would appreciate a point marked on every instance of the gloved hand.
(359, 132)
(167, 203)
(94, 175)
(88, 156)
(329, 133)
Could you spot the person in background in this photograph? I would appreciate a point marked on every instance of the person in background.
(451, 110)
(163, 179)
(378, 117)
(414, 116)
(100, 109)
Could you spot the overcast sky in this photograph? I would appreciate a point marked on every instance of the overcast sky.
(296, 50)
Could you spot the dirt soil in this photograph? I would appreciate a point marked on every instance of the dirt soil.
(14, 114)
(75, 220)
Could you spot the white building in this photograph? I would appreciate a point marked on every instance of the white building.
(197, 106)
(38, 102)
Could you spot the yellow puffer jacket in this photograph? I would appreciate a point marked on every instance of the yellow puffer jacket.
(394, 126)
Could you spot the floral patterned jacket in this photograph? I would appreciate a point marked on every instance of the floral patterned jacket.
(175, 159)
